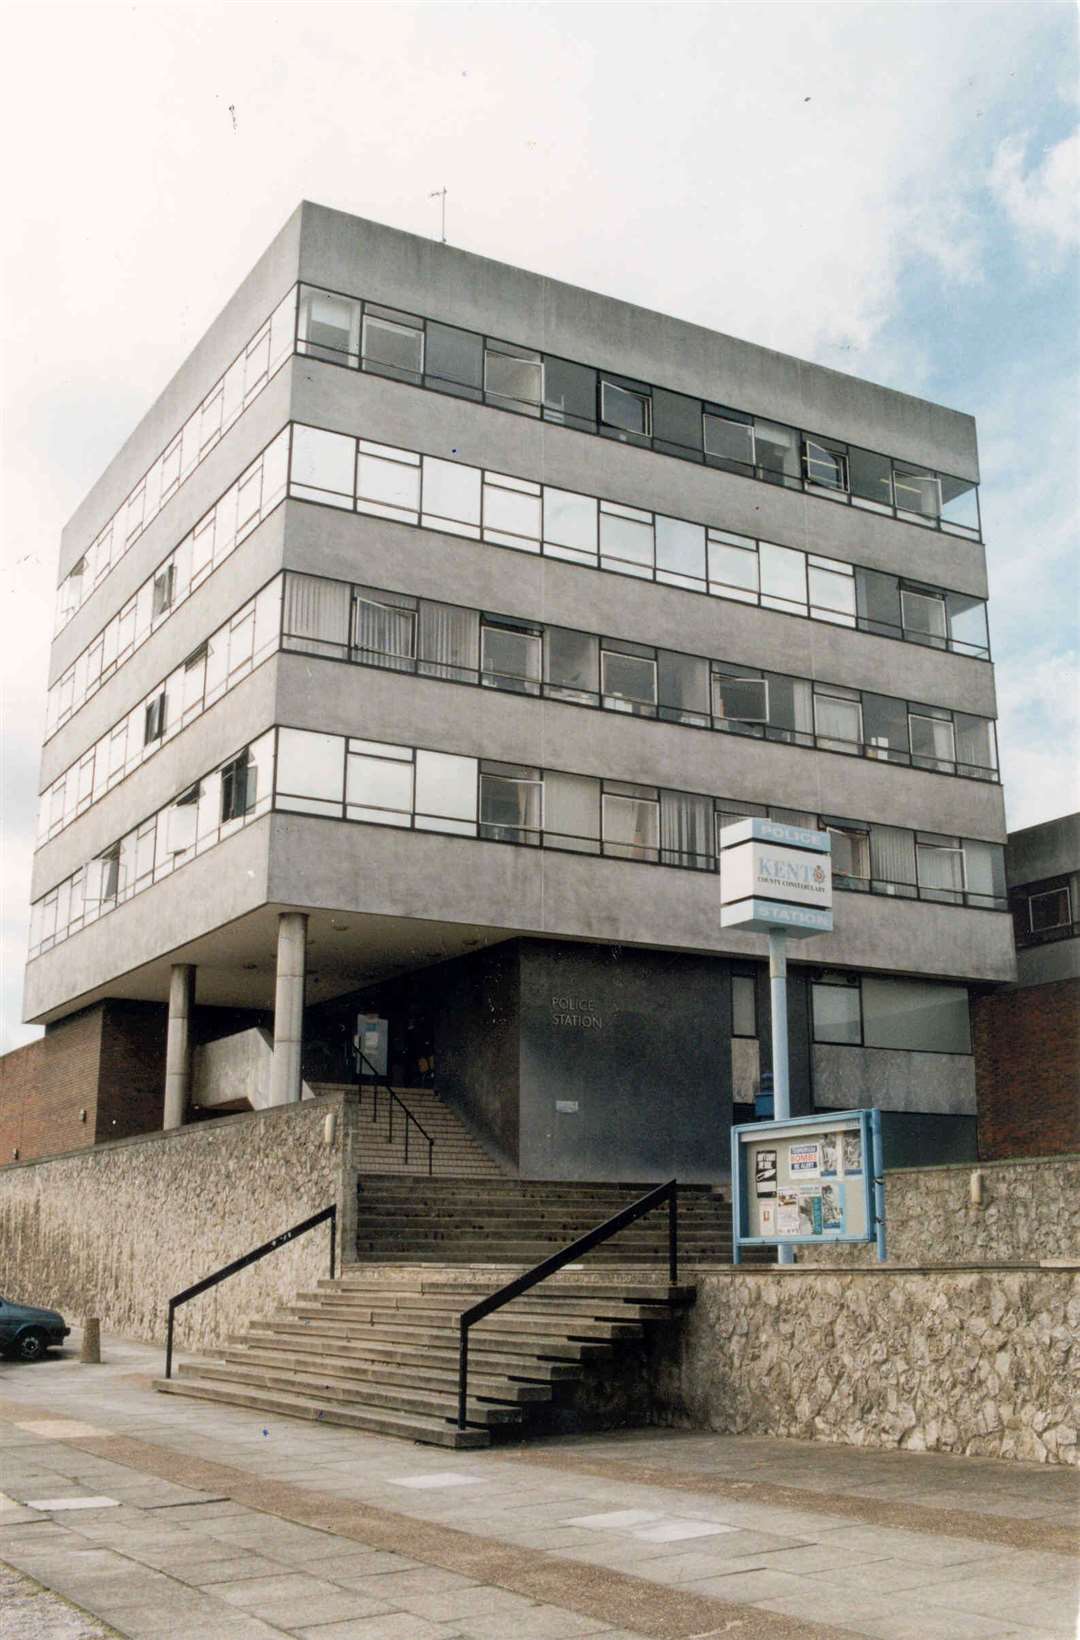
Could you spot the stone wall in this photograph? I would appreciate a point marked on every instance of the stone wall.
(1030, 1212)
(965, 1361)
(116, 1230)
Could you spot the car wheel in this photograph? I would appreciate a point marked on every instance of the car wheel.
(31, 1345)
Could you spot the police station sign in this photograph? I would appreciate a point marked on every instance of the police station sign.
(772, 875)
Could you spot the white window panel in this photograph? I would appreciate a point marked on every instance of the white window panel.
(783, 577)
(511, 512)
(627, 535)
(388, 482)
(323, 466)
(311, 766)
(446, 786)
(451, 496)
(380, 789)
(570, 521)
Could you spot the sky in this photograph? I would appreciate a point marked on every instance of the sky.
(888, 189)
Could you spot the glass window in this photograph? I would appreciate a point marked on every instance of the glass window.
(570, 394)
(323, 466)
(316, 618)
(154, 719)
(976, 746)
(740, 699)
(917, 492)
(628, 682)
(384, 631)
(776, 451)
(680, 552)
(446, 792)
(676, 423)
(1048, 909)
(329, 327)
(164, 584)
(825, 464)
(959, 505)
(626, 408)
(449, 642)
(791, 709)
(940, 863)
(454, 361)
(180, 826)
(237, 788)
(393, 346)
(968, 633)
(783, 577)
(570, 522)
(512, 509)
(514, 376)
(932, 742)
(892, 860)
(850, 855)
(631, 816)
(729, 440)
(511, 803)
(733, 566)
(885, 728)
(388, 482)
(310, 772)
(510, 658)
(832, 591)
(837, 719)
(686, 831)
(683, 687)
(871, 479)
(451, 495)
(837, 1014)
(915, 1014)
(984, 875)
(379, 789)
(572, 812)
(571, 664)
(924, 616)
(743, 1005)
(626, 537)
(877, 602)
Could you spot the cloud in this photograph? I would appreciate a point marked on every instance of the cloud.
(1043, 202)
(1039, 728)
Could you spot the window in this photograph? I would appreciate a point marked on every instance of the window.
(194, 680)
(449, 642)
(825, 465)
(626, 407)
(512, 509)
(631, 818)
(154, 719)
(388, 482)
(923, 616)
(180, 825)
(572, 812)
(1047, 909)
(511, 803)
(316, 616)
(680, 553)
(628, 681)
(451, 493)
(323, 466)
(329, 327)
(940, 863)
(917, 493)
(932, 741)
(676, 424)
(871, 480)
(569, 524)
(626, 539)
(571, 665)
(570, 394)
(446, 793)
(885, 728)
(379, 783)
(729, 440)
(740, 699)
(968, 633)
(384, 631)
(777, 453)
(164, 585)
(514, 376)
(454, 361)
(743, 1005)
(915, 1014)
(837, 1011)
(510, 657)
(783, 578)
(984, 875)
(238, 784)
(686, 831)
(683, 688)
(976, 746)
(877, 603)
(850, 855)
(310, 773)
(959, 505)
(832, 590)
(838, 719)
(393, 344)
(892, 861)
(733, 566)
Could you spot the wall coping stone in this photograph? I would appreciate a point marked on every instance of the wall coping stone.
(986, 1167)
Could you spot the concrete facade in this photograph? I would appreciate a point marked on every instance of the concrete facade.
(382, 900)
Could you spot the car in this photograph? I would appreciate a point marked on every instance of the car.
(26, 1331)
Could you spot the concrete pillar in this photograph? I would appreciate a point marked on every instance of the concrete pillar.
(289, 1007)
(178, 1044)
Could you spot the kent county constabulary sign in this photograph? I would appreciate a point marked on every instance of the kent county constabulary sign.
(775, 876)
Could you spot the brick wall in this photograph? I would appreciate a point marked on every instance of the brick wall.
(20, 1077)
(131, 1097)
(1027, 1071)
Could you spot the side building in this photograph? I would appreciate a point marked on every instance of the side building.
(419, 552)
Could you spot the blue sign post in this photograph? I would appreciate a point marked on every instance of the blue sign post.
(808, 1181)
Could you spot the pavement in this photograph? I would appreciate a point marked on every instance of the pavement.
(125, 1512)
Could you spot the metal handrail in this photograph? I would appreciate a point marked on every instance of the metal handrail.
(577, 1249)
(379, 1081)
(327, 1213)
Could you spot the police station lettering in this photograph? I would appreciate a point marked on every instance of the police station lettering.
(580, 1011)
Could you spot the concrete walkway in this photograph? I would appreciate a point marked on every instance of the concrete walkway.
(149, 1516)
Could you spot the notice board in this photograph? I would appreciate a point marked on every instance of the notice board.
(808, 1180)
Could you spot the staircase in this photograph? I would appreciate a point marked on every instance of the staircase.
(522, 1221)
(456, 1152)
(378, 1351)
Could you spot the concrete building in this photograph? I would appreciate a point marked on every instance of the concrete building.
(1027, 1036)
(411, 655)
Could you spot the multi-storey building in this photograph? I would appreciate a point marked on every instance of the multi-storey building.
(411, 656)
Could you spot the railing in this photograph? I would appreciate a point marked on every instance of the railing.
(393, 1099)
(569, 1255)
(327, 1214)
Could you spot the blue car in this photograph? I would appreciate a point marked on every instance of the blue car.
(26, 1331)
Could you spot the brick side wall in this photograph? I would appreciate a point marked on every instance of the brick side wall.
(1027, 1071)
(131, 1096)
(20, 1078)
(43, 1092)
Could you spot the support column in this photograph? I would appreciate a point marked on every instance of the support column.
(779, 1022)
(178, 1044)
(289, 1007)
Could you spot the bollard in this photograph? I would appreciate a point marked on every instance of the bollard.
(90, 1351)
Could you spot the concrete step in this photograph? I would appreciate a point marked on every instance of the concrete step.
(503, 1321)
(561, 1284)
(484, 1385)
(324, 1387)
(377, 1420)
(523, 1367)
(617, 1309)
(549, 1348)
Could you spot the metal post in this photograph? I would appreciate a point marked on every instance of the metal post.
(779, 1021)
(673, 1236)
(333, 1243)
(879, 1185)
(463, 1374)
(168, 1340)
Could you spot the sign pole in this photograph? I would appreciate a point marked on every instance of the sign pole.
(779, 1020)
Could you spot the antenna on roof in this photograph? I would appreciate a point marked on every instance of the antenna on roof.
(440, 193)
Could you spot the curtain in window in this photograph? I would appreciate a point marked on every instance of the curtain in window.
(975, 743)
(317, 615)
(940, 868)
(892, 856)
(449, 643)
(572, 812)
(984, 865)
(384, 635)
(686, 830)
